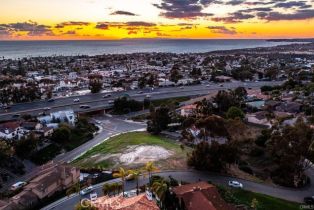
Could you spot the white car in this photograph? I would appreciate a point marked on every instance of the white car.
(235, 184)
(148, 96)
(76, 100)
(18, 185)
(86, 190)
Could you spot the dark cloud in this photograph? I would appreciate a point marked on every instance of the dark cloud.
(235, 2)
(140, 23)
(31, 28)
(235, 17)
(72, 32)
(290, 4)
(298, 15)
(102, 26)
(186, 9)
(72, 23)
(222, 30)
(121, 12)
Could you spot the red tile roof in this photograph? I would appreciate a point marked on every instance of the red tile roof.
(201, 195)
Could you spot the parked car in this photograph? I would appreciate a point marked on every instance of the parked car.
(51, 100)
(76, 100)
(16, 115)
(107, 96)
(18, 185)
(309, 200)
(235, 184)
(86, 190)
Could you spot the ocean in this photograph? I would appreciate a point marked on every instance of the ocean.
(20, 49)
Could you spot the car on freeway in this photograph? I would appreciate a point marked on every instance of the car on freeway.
(148, 96)
(107, 96)
(309, 200)
(51, 100)
(139, 92)
(235, 184)
(207, 85)
(47, 108)
(221, 85)
(86, 190)
(6, 107)
(181, 87)
(16, 115)
(110, 102)
(18, 185)
(76, 100)
(84, 106)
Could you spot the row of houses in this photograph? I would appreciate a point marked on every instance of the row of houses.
(43, 125)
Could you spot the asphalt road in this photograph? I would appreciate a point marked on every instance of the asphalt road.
(68, 203)
(97, 100)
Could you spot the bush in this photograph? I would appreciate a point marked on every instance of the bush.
(235, 112)
(256, 152)
(246, 169)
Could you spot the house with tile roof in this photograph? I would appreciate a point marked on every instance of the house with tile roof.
(200, 195)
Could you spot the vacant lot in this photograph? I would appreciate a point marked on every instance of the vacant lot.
(133, 150)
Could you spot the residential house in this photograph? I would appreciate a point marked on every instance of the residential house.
(187, 110)
(259, 118)
(290, 107)
(49, 180)
(139, 202)
(10, 130)
(200, 195)
(67, 116)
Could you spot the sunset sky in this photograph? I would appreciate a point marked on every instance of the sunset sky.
(118, 19)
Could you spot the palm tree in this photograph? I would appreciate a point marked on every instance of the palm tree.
(107, 188)
(121, 174)
(150, 168)
(136, 174)
(160, 188)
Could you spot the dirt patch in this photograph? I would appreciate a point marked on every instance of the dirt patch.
(143, 154)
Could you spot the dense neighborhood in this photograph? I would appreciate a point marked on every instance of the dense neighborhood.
(262, 135)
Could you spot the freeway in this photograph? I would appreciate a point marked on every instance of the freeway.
(98, 101)
(290, 194)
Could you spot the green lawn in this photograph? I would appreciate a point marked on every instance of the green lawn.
(120, 143)
(264, 202)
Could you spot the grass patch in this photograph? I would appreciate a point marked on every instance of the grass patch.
(120, 143)
(264, 202)
(169, 101)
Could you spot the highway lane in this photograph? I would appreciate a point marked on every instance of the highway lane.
(194, 176)
(97, 100)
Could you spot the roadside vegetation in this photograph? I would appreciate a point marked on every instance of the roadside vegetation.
(256, 201)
